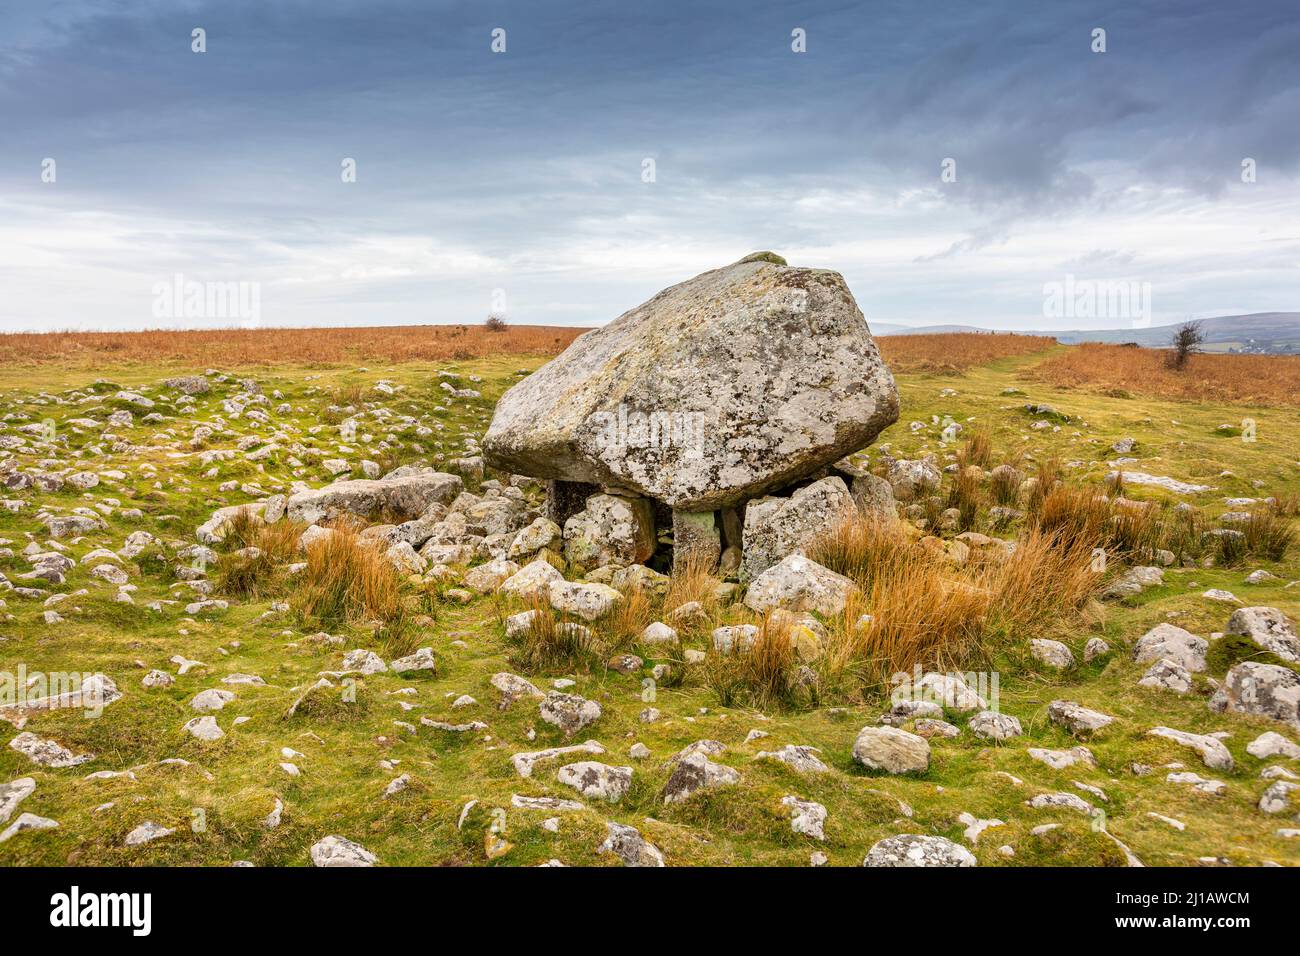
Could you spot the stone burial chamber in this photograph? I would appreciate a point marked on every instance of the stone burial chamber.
(721, 408)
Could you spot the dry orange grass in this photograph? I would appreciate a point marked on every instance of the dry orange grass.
(926, 612)
(238, 347)
(1264, 379)
(348, 580)
(952, 352)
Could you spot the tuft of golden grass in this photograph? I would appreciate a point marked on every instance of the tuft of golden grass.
(253, 575)
(623, 626)
(1264, 379)
(553, 643)
(692, 579)
(1269, 532)
(244, 347)
(764, 675)
(978, 449)
(348, 580)
(925, 611)
(954, 352)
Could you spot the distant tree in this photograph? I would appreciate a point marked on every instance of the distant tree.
(495, 323)
(1186, 341)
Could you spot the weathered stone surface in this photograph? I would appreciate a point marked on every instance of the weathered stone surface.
(1269, 628)
(1212, 751)
(488, 577)
(988, 725)
(421, 660)
(404, 498)
(543, 533)
(14, 793)
(910, 478)
(1134, 581)
(799, 758)
(26, 822)
(947, 690)
(339, 851)
(1052, 653)
(776, 527)
(739, 381)
(45, 752)
(513, 687)
(1077, 719)
(697, 772)
(891, 750)
(914, 849)
(569, 712)
(1060, 759)
(1164, 674)
(1172, 643)
(596, 781)
(806, 816)
(630, 846)
(799, 584)
(1266, 690)
(697, 540)
(611, 529)
(1268, 744)
(531, 581)
(588, 601)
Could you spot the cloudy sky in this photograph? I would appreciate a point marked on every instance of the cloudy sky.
(525, 171)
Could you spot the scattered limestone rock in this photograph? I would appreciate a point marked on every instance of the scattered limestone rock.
(14, 793)
(569, 712)
(630, 846)
(806, 816)
(587, 601)
(147, 832)
(339, 851)
(1164, 674)
(1133, 582)
(777, 527)
(1167, 642)
(801, 759)
(421, 660)
(891, 750)
(1052, 653)
(1077, 719)
(1267, 744)
(204, 728)
(26, 822)
(1212, 751)
(525, 762)
(47, 753)
(1061, 759)
(596, 781)
(1264, 690)
(990, 725)
(798, 583)
(696, 772)
(1269, 628)
(914, 849)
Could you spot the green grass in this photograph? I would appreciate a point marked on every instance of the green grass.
(343, 743)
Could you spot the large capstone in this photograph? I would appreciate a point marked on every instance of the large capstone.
(738, 382)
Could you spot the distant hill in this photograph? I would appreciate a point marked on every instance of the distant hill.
(1260, 333)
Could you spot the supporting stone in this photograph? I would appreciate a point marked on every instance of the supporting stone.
(610, 530)
(695, 539)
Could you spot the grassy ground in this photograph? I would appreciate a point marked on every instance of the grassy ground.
(218, 802)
